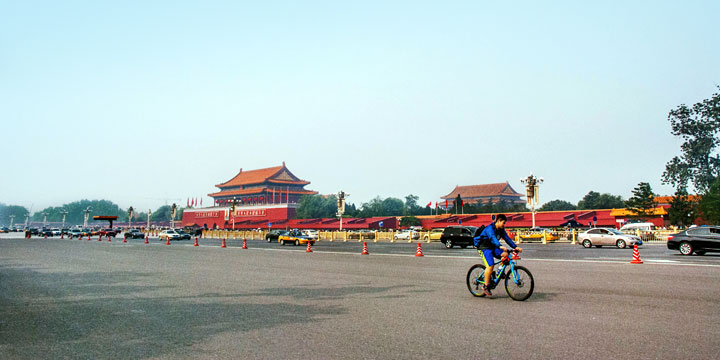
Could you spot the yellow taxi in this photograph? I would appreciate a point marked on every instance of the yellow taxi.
(433, 235)
(537, 234)
(295, 237)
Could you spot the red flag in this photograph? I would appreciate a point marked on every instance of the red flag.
(195, 202)
(446, 204)
(200, 201)
(188, 202)
(429, 204)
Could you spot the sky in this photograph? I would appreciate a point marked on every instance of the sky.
(147, 103)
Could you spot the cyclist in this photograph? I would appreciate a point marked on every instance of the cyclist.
(489, 247)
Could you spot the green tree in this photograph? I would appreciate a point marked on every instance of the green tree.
(699, 127)
(682, 210)
(18, 211)
(164, 213)
(557, 205)
(709, 204)
(318, 206)
(411, 206)
(642, 202)
(595, 200)
(409, 221)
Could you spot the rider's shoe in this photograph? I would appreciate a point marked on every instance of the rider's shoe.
(486, 291)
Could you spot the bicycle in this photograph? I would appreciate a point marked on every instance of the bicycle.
(519, 283)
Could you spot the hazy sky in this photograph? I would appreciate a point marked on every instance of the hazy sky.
(149, 102)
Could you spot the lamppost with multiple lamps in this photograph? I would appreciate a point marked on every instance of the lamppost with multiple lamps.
(532, 190)
(64, 213)
(341, 205)
(87, 215)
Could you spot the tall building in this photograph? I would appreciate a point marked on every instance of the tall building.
(483, 194)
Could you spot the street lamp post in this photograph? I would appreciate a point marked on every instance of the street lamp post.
(64, 213)
(341, 205)
(172, 216)
(87, 215)
(232, 212)
(148, 220)
(44, 219)
(130, 215)
(532, 190)
(12, 218)
(27, 220)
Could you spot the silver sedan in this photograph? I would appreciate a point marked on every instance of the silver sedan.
(605, 236)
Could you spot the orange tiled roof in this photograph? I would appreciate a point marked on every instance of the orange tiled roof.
(251, 177)
(260, 191)
(668, 199)
(472, 191)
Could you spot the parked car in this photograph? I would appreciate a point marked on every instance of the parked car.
(56, 232)
(313, 234)
(273, 235)
(537, 234)
(295, 237)
(169, 234)
(108, 232)
(75, 233)
(183, 235)
(599, 237)
(65, 231)
(632, 227)
(698, 240)
(134, 234)
(4, 230)
(458, 235)
(407, 235)
(366, 234)
(46, 232)
(435, 234)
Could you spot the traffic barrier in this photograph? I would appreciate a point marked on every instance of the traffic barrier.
(244, 243)
(309, 249)
(223, 243)
(636, 256)
(167, 242)
(365, 250)
(196, 243)
(419, 250)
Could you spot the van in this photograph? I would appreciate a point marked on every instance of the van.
(645, 226)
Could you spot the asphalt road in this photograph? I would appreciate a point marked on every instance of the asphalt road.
(92, 300)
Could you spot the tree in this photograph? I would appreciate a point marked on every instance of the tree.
(642, 202)
(699, 128)
(18, 211)
(595, 200)
(318, 206)
(557, 205)
(709, 205)
(409, 221)
(682, 210)
(411, 207)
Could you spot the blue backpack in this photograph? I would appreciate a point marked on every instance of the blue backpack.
(477, 242)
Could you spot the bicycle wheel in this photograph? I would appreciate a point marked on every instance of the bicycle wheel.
(523, 288)
(475, 280)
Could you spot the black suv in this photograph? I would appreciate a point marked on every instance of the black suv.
(273, 235)
(458, 235)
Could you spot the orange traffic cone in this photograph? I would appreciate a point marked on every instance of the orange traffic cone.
(244, 243)
(100, 238)
(88, 237)
(223, 244)
(196, 244)
(108, 236)
(45, 236)
(419, 251)
(62, 236)
(365, 250)
(309, 249)
(636, 256)
(124, 239)
(167, 242)
(146, 239)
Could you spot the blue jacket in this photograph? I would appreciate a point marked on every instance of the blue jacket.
(493, 235)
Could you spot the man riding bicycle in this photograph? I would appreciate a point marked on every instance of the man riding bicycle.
(489, 247)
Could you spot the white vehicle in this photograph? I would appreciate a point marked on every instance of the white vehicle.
(171, 234)
(56, 232)
(312, 234)
(645, 226)
(604, 236)
(406, 235)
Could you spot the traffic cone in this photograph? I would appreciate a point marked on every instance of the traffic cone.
(244, 243)
(196, 244)
(636, 256)
(223, 243)
(146, 239)
(108, 236)
(124, 239)
(62, 236)
(419, 250)
(365, 250)
(167, 242)
(309, 249)
(88, 237)
(45, 236)
(100, 238)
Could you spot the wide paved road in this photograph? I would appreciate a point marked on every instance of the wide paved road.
(91, 300)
